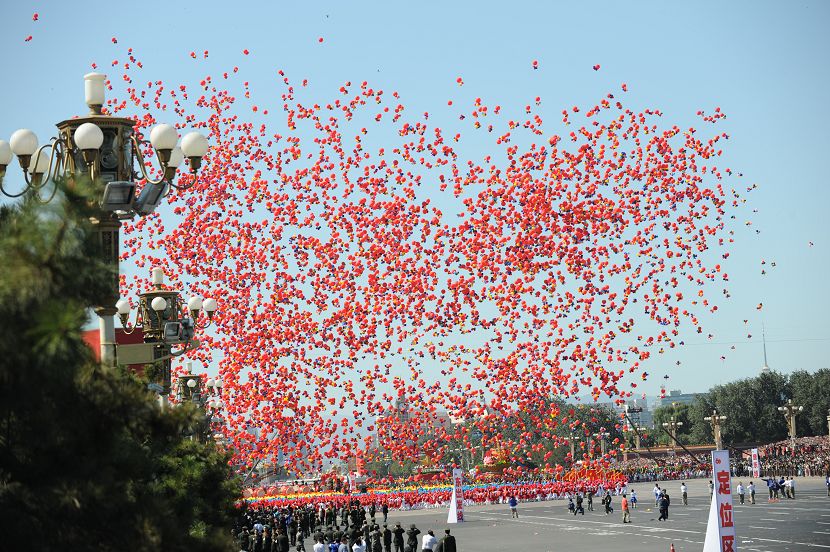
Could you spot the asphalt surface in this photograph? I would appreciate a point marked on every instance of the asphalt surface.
(800, 524)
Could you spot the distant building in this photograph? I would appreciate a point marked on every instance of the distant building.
(675, 396)
(638, 413)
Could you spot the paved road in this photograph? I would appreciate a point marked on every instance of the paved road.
(789, 525)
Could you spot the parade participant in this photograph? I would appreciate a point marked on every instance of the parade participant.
(359, 546)
(372, 511)
(683, 492)
(656, 492)
(606, 501)
(664, 506)
(633, 499)
(385, 511)
(827, 484)
(429, 541)
(258, 540)
(579, 509)
(398, 533)
(751, 488)
(792, 488)
(625, 511)
(513, 503)
(590, 495)
(292, 529)
(412, 538)
(711, 488)
(344, 544)
(243, 540)
(772, 488)
(740, 489)
(387, 538)
(571, 507)
(367, 543)
(281, 543)
(319, 546)
(448, 542)
(376, 538)
(267, 539)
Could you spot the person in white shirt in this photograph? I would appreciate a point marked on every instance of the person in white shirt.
(429, 542)
(751, 489)
(319, 547)
(656, 492)
(741, 492)
(684, 494)
(359, 546)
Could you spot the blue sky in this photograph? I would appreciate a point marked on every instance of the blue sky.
(763, 63)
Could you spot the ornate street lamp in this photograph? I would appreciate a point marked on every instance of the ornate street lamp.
(790, 410)
(602, 436)
(105, 149)
(207, 396)
(716, 420)
(160, 315)
(671, 427)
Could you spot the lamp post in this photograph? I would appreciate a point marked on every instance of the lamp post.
(204, 394)
(671, 426)
(828, 425)
(105, 149)
(790, 410)
(602, 435)
(160, 315)
(716, 420)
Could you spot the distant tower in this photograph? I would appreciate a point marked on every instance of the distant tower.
(765, 367)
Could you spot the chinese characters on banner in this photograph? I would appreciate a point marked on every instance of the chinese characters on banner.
(458, 493)
(756, 464)
(723, 501)
(456, 513)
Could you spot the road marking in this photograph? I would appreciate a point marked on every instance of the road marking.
(778, 520)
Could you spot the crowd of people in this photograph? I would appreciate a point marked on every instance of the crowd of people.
(348, 527)
(809, 457)
(681, 466)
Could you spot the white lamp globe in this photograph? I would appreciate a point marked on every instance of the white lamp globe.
(23, 142)
(164, 137)
(218, 383)
(194, 145)
(176, 158)
(94, 86)
(210, 382)
(5, 153)
(158, 304)
(209, 305)
(194, 304)
(89, 137)
(123, 306)
(41, 163)
(191, 383)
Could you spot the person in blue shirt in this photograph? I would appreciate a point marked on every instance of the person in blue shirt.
(512, 502)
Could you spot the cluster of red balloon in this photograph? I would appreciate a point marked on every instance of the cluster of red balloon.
(380, 292)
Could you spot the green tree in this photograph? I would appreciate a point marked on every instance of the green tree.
(751, 407)
(663, 414)
(87, 459)
(812, 391)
